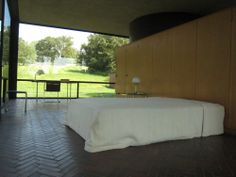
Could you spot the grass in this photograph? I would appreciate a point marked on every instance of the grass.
(73, 73)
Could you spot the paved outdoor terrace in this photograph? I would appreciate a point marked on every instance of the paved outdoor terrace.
(38, 144)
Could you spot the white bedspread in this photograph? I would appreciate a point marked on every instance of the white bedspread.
(114, 123)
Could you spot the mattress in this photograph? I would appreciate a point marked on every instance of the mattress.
(115, 123)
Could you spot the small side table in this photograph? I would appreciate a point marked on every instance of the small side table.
(133, 95)
(137, 95)
(68, 87)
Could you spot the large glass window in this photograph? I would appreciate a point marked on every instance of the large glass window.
(5, 34)
(84, 63)
(6, 41)
(1, 90)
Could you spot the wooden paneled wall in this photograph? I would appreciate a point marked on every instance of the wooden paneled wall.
(231, 122)
(196, 60)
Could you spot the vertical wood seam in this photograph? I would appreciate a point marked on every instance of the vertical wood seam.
(229, 95)
(152, 69)
(171, 62)
(196, 62)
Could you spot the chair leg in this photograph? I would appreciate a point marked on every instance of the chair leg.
(17, 92)
(6, 106)
(58, 97)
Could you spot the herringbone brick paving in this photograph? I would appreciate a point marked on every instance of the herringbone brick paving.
(37, 144)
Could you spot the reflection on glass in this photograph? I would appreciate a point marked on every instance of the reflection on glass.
(5, 48)
(1, 81)
(0, 19)
(6, 41)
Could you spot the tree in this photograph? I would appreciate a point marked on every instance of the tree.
(70, 52)
(63, 45)
(6, 45)
(55, 47)
(99, 53)
(46, 48)
(27, 53)
(77, 57)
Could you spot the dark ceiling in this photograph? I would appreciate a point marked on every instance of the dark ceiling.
(107, 16)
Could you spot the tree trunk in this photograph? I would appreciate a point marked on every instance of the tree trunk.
(51, 67)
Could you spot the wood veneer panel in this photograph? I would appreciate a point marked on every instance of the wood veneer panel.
(162, 52)
(144, 68)
(213, 57)
(139, 64)
(121, 70)
(131, 65)
(231, 123)
(184, 60)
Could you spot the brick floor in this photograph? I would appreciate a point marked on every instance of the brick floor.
(38, 144)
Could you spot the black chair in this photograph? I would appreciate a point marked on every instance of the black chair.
(53, 86)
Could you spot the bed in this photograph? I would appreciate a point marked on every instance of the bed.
(115, 123)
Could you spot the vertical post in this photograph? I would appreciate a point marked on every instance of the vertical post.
(13, 53)
(77, 89)
(36, 90)
(4, 91)
(70, 89)
(26, 98)
(67, 91)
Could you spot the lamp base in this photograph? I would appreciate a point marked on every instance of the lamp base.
(135, 89)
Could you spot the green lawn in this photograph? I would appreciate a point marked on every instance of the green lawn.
(74, 73)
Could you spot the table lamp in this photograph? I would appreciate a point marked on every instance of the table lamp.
(39, 72)
(136, 81)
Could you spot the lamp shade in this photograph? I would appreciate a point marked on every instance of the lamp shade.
(136, 80)
(39, 72)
